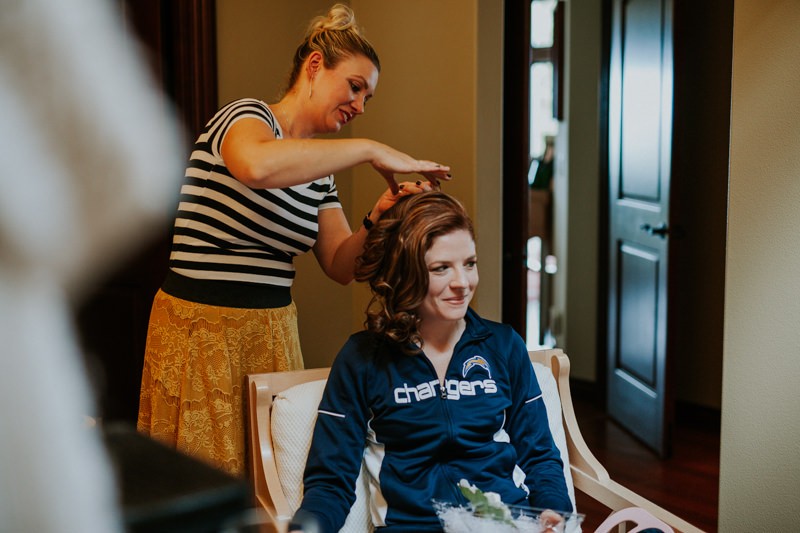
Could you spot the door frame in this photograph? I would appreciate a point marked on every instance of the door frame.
(516, 158)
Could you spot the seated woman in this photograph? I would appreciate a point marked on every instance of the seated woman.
(430, 394)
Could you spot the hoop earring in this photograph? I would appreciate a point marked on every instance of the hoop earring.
(311, 88)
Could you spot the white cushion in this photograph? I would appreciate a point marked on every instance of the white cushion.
(552, 402)
(294, 413)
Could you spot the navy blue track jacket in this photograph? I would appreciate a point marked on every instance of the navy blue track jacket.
(487, 425)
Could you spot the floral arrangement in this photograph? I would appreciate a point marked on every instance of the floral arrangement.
(486, 513)
(485, 504)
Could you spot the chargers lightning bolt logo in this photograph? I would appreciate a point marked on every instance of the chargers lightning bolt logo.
(475, 360)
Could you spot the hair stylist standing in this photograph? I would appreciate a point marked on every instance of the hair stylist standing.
(259, 190)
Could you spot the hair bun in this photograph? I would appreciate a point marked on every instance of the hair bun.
(336, 36)
(340, 17)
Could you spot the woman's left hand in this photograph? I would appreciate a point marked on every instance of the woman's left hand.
(388, 199)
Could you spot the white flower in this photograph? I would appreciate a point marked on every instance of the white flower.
(493, 498)
(486, 504)
(466, 484)
(494, 501)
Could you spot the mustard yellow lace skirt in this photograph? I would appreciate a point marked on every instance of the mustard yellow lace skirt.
(195, 361)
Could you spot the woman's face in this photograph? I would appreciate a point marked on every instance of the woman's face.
(341, 93)
(452, 277)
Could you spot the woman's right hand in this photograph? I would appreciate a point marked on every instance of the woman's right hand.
(388, 162)
(389, 198)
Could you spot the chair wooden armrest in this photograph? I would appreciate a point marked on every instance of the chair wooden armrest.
(588, 475)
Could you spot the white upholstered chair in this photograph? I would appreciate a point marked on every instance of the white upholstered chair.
(282, 409)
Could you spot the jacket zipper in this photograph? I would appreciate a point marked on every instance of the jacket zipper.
(442, 389)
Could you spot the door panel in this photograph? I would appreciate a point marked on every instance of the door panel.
(638, 289)
(635, 398)
(640, 151)
(641, 95)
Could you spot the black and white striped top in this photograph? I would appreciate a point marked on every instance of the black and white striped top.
(226, 231)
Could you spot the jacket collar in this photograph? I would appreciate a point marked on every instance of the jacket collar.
(477, 328)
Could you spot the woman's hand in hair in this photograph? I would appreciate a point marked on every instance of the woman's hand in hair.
(388, 198)
(388, 162)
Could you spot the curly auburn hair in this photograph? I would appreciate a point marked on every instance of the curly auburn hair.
(393, 262)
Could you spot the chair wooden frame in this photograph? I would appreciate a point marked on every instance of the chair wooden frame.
(588, 475)
(636, 515)
(267, 491)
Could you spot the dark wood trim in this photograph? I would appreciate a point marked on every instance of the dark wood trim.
(541, 55)
(698, 416)
(601, 361)
(587, 391)
(144, 21)
(192, 55)
(558, 61)
(516, 158)
(179, 38)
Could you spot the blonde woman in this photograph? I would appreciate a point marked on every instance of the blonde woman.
(259, 190)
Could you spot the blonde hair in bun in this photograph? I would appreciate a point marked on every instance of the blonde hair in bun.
(335, 36)
(340, 17)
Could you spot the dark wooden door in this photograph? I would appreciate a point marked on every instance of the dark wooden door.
(640, 151)
(179, 40)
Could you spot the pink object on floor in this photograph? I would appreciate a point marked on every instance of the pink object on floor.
(642, 518)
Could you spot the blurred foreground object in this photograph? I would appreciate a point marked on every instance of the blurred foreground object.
(90, 158)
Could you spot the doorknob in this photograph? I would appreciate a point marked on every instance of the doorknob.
(661, 230)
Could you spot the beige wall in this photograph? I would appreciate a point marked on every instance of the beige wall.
(433, 101)
(428, 104)
(256, 40)
(488, 108)
(760, 451)
(577, 192)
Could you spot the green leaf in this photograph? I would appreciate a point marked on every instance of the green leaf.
(481, 506)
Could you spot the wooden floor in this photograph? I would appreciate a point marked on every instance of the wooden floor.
(686, 484)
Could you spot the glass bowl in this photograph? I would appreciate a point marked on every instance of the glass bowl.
(517, 518)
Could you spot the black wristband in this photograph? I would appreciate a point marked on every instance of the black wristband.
(367, 222)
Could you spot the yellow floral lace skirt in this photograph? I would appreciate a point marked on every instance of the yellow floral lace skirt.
(194, 366)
